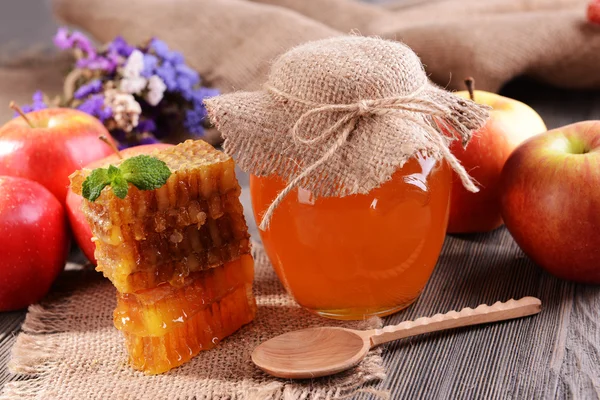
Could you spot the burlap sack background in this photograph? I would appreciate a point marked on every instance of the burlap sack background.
(231, 42)
(70, 350)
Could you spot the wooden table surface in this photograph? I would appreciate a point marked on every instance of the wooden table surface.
(553, 355)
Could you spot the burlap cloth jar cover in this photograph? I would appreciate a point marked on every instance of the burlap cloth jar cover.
(339, 116)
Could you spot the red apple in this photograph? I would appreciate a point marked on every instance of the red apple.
(60, 142)
(511, 122)
(79, 226)
(551, 200)
(34, 241)
(593, 12)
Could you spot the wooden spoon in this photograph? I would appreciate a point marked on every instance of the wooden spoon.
(314, 352)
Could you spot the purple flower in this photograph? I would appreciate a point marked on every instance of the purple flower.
(76, 40)
(91, 87)
(38, 96)
(146, 126)
(61, 39)
(185, 87)
(150, 64)
(38, 103)
(120, 47)
(178, 78)
(97, 63)
(176, 58)
(94, 105)
(195, 116)
(80, 41)
(163, 67)
(184, 70)
(167, 73)
(193, 122)
(161, 49)
(194, 119)
(202, 93)
(115, 59)
(91, 60)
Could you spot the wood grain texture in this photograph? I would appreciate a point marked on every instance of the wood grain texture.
(10, 323)
(313, 352)
(483, 314)
(322, 351)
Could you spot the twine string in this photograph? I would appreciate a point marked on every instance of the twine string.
(407, 105)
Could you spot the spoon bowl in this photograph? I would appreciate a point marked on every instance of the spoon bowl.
(312, 352)
(316, 352)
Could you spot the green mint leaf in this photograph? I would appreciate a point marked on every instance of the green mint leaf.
(145, 172)
(94, 183)
(113, 172)
(119, 186)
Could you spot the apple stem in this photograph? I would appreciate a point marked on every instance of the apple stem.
(111, 145)
(14, 106)
(470, 84)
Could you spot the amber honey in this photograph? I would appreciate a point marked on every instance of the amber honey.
(202, 331)
(360, 255)
(192, 223)
(178, 257)
(157, 311)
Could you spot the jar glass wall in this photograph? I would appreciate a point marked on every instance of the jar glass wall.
(360, 255)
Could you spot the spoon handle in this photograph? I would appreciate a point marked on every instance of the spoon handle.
(453, 319)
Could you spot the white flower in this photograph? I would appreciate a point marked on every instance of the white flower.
(134, 65)
(133, 85)
(132, 81)
(156, 89)
(126, 111)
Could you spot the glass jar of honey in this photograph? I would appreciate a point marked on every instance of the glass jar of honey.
(347, 146)
(362, 255)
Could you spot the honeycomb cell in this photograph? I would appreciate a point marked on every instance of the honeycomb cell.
(155, 312)
(192, 223)
(203, 331)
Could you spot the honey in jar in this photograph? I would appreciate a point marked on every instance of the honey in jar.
(347, 146)
(360, 255)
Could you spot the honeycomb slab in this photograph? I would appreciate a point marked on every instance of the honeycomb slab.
(178, 256)
(192, 223)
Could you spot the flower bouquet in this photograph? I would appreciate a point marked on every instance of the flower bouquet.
(143, 94)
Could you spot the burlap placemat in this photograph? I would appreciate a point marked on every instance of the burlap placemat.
(71, 350)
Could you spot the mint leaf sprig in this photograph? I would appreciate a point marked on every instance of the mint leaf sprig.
(144, 172)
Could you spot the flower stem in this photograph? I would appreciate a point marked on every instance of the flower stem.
(111, 145)
(470, 84)
(14, 106)
(69, 84)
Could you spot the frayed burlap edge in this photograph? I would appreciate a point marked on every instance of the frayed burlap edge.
(40, 346)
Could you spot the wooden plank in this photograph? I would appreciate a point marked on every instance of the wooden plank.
(10, 323)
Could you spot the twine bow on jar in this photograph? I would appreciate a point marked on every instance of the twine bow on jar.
(407, 106)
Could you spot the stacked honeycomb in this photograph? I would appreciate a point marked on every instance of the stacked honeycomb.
(178, 256)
